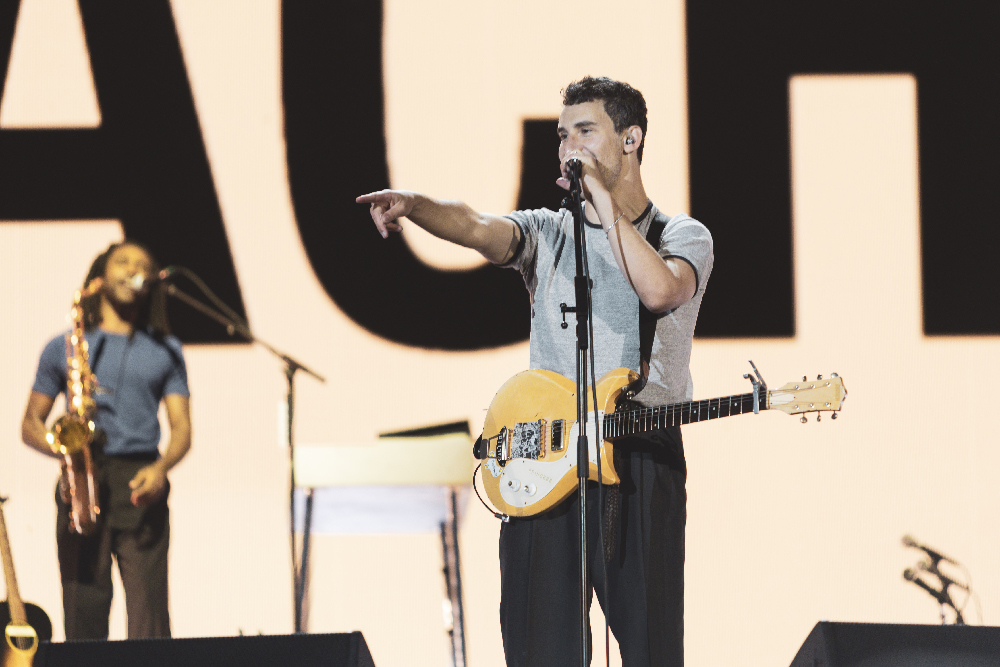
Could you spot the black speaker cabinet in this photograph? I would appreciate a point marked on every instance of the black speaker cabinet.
(882, 645)
(335, 650)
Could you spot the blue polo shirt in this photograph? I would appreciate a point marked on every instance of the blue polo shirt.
(134, 373)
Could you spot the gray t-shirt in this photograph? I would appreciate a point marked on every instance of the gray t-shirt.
(547, 261)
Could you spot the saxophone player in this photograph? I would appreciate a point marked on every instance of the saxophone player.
(138, 365)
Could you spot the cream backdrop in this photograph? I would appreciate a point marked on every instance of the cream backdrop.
(788, 523)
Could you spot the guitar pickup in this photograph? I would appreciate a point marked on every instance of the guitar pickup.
(558, 435)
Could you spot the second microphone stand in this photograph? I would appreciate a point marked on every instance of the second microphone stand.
(234, 326)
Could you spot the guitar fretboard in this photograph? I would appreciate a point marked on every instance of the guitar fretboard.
(643, 420)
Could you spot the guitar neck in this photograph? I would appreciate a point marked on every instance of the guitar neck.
(644, 420)
(17, 613)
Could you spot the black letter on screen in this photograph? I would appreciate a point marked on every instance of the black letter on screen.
(145, 165)
(740, 59)
(335, 136)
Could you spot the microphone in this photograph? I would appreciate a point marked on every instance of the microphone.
(575, 167)
(945, 580)
(935, 556)
(941, 596)
(140, 282)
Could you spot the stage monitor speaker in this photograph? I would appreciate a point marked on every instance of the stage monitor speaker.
(884, 645)
(304, 650)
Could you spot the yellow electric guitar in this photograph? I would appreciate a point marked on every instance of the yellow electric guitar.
(25, 623)
(529, 441)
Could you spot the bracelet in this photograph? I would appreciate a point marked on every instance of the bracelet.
(612, 226)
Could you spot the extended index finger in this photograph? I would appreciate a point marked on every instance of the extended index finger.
(382, 196)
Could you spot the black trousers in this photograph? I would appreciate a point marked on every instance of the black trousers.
(138, 539)
(539, 566)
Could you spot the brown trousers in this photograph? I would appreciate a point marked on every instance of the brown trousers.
(137, 539)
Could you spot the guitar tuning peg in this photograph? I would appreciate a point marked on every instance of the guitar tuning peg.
(818, 415)
(833, 416)
(834, 375)
(819, 377)
(803, 419)
(804, 378)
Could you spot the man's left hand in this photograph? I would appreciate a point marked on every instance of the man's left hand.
(148, 485)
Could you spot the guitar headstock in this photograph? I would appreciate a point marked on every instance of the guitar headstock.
(809, 396)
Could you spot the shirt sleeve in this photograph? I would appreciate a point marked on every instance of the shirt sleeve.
(533, 225)
(176, 382)
(686, 238)
(50, 378)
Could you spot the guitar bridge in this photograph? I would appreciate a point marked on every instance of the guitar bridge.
(527, 440)
(502, 450)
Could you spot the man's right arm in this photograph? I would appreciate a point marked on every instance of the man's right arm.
(33, 424)
(494, 237)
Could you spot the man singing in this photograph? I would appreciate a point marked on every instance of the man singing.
(603, 125)
(138, 365)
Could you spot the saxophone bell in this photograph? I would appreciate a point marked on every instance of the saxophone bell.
(70, 434)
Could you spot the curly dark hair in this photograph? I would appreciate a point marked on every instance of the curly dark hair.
(624, 104)
(152, 315)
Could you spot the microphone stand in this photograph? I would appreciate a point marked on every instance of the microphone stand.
(582, 310)
(299, 569)
(946, 583)
(943, 597)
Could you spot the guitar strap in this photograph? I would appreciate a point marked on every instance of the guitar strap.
(647, 320)
(647, 331)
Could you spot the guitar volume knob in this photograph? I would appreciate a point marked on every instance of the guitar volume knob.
(514, 484)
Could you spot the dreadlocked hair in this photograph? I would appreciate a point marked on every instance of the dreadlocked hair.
(152, 313)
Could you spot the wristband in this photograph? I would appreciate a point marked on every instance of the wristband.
(612, 225)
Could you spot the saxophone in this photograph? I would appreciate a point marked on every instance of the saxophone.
(72, 433)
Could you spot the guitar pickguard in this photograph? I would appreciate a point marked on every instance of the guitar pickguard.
(526, 481)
